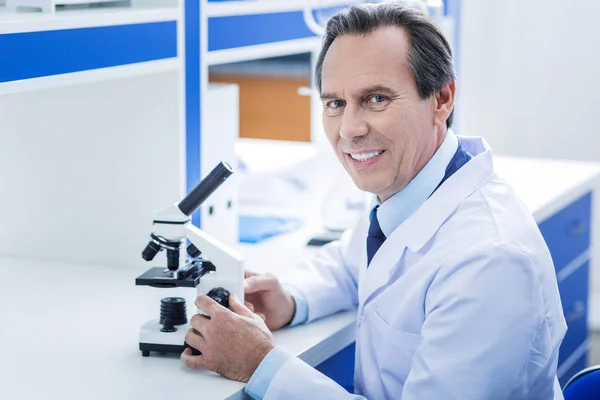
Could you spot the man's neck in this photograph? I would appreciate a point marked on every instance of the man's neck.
(405, 202)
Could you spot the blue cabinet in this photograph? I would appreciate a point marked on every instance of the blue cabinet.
(574, 298)
(340, 367)
(567, 234)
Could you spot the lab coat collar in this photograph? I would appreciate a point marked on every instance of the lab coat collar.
(420, 227)
(426, 221)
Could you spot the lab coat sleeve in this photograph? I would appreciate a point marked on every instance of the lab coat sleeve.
(301, 314)
(483, 313)
(261, 379)
(328, 281)
(297, 380)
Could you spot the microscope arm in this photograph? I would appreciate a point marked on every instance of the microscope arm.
(229, 263)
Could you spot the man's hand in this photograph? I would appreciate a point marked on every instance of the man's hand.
(233, 341)
(264, 293)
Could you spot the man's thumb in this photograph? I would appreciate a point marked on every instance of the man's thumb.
(237, 307)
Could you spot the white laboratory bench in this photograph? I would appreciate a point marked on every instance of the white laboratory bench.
(70, 331)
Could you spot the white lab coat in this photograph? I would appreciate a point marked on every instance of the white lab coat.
(460, 302)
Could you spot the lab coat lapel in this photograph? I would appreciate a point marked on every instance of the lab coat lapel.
(420, 227)
(383, 264)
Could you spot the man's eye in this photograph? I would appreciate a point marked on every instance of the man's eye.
(335, 104)
(377, 99)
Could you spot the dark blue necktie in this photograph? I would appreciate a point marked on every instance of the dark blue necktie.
(459, 159)
(375, 237)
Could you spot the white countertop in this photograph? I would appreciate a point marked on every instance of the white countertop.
(70, 331)
(545, 185)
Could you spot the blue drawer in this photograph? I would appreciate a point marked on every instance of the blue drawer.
(567, 233)
(580, 364)
(340, 367)
(574, 297)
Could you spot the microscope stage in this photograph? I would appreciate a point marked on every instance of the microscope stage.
(163, 278)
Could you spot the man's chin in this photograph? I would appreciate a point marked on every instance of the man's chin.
(366, 185)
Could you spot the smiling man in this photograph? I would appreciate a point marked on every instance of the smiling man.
(453, 284)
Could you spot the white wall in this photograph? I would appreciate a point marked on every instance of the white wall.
(529, 81)
(84, 168)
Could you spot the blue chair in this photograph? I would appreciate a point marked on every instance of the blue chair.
(584, 385)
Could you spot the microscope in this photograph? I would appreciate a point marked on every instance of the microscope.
(210, 267)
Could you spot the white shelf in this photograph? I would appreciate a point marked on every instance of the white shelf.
(17, 22)
(228, 8)
(91, 76)
(257, 52)
(30, 22)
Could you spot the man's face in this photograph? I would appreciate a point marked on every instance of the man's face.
(380, 129)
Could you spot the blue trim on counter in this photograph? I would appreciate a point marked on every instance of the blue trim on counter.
(340, 367)
(39, 54)
(193, 103)
(229, 32)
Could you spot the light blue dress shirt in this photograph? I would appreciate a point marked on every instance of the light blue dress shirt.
(403, 204)
(391, 214)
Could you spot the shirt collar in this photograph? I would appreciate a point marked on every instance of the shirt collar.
(395, 210)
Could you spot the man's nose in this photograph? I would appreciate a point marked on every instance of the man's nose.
(353, 125)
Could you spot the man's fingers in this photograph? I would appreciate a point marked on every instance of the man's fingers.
(263, 316)
(195, 339)
(248, 274)
(208, 305)
(196, 362)
(249, 305)
(199, 322)
(237, 307)
(258, 283)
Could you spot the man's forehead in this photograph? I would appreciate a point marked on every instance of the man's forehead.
(356, 61)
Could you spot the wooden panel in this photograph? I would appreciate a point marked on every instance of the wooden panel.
(270, 107)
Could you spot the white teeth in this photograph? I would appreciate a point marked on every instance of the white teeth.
(365, 156)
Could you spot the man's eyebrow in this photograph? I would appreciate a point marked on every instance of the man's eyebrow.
(329, 96)
(376, 89)
(379, 89)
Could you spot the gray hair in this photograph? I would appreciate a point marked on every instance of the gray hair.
(430, 59)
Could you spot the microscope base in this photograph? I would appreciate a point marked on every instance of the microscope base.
(153, 340)
(146, 348)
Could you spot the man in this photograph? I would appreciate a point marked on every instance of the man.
(455, 288)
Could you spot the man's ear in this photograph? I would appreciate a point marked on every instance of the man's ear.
(444, 103)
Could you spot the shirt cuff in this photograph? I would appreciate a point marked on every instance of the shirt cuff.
(261, 379)
(301, 315)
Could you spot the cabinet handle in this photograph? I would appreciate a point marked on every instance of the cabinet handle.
(577, 312)
(577, 228)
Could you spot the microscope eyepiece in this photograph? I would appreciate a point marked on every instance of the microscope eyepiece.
(205, 188)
